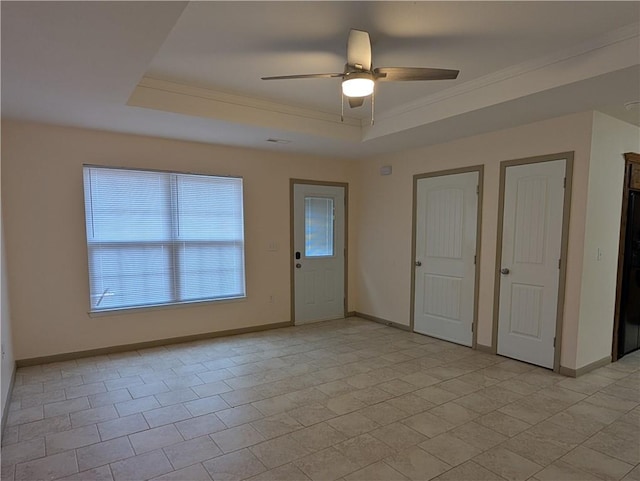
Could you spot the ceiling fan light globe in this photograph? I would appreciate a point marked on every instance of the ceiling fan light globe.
(357, 87)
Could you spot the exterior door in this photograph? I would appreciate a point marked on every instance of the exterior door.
(530, 261)
(319, 252)
(445, 271)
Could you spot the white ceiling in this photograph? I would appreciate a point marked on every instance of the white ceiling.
(192, 70)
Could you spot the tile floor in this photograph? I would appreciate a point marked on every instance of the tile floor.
(349, 400)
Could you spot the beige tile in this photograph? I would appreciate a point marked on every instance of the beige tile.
(345, 403)
(279, 451)
(144, 466)
(539, 449)
(287, 472)
(103, 473)
(277, 425)
(428, 424)
(74, 438)
(236, 438)
(239, 415)
(503, 423)
(155, 438)
(450, 449)
(144, 390)
(190, 452)
(353, 424)
(123, 382)
(479, 403)
(166, 415)
(199, 426)
(410, 403)
(364, 449)
(633, 475)
(311, 414)
(328, 464)
(379, 471)
(610, 402)
(565, 472)
(554, 432)
(318, 436)
(46, 426)
(24, 451)
(235, 466)
(469, 471)
(307, 396)
(478, 436)
(206, 405)
(383, 413)
(454, 413)
(103, 453)
(456, 386)
(507, 464)
(596, 463)
(23, 416)
(111, 397)
(47, 468)
(396, 387)
(122, 426)
(126, 408)
(211, 388)
(84, 390)
(275, 405)
(417, 464)
(34, 400)
(175, 397)
(335, 388)
(195, 472)
(398, 436)
(93, 416)
(65, 407)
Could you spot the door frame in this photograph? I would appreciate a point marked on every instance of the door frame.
(292, 272)
(564, 244)
(630, 159)
(462, 170)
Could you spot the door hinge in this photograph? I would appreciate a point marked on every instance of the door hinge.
(564, 183)
(478, 189)
(554, 342)
(559, 263)
(475, 259)
(472, 327)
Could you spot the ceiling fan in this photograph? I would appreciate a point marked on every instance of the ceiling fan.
(358, 77)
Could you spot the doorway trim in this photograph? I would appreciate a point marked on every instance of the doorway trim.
(292, 262)
(462, 170)
(564, 244)
(630, 159)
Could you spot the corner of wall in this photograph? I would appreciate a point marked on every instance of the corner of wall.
(7, 362)
(610, 139)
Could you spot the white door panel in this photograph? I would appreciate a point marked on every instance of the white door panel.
(446, 225)
(531, 249)
(319, 226)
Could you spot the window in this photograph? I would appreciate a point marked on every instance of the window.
(318, 226)
(158, 238)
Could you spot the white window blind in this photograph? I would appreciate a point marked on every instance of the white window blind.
(157, 238)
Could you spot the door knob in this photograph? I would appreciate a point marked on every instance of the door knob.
(418, 263)
(298, 266)
(504, 271)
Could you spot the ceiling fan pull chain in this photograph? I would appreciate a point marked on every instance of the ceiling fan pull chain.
(373, 103)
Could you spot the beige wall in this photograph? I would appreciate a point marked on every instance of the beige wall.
(384, 217)
(46, 244)
(8, 362)
(611, 139)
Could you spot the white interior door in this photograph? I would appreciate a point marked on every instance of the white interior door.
(530, 267)
(446, 230)
(319, 252)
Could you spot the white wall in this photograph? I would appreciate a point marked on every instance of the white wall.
(611, 139)
(8, 362)
(46, 243)
(384, 217)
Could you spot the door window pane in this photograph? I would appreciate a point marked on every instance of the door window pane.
(318, 226)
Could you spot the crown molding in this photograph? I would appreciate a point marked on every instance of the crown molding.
(200, 102)
(619, 35)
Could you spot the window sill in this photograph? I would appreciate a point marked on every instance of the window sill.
(161, 307)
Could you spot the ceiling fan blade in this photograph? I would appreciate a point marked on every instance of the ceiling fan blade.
(392, 74)
(359, 49)
(309, 75)
(356, 102)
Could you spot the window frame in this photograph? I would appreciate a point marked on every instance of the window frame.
(172, 246)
